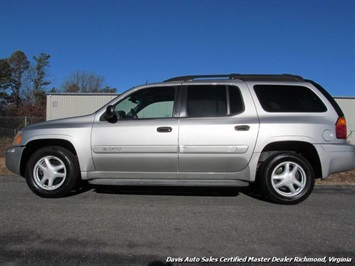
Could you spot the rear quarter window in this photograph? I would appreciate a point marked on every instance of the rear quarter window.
(286, 98)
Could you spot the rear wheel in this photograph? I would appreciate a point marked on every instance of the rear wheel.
(52, 172)
(286, 178)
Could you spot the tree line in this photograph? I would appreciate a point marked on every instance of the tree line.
(24, 84)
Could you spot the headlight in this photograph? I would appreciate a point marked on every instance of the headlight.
(18, 139)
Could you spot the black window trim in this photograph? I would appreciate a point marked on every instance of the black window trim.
(228, 101)
(183, 102)
(328, 97)
(293, 85)
(176, 106)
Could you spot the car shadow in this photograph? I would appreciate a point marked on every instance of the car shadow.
(168, 190)
(81, 188)
(255, 192)
(250, 191)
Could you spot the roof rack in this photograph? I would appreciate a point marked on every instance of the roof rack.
(245, 77)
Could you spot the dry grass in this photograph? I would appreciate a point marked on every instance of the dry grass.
(5, 142)
(345, 178)
(3, 169)
(340, 178)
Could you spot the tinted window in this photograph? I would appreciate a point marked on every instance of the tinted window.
(235, 100)
(280, 98)
(329, 97)
(213, 100)
(156, 102)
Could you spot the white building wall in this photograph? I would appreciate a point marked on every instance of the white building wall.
(347, 104)
(64, 105)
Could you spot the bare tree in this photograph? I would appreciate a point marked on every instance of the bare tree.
(36, 80)
(83, 81)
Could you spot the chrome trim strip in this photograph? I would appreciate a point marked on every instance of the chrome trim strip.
(214, 149)
(135, 149)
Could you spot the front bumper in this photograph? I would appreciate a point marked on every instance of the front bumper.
(336, 158)
(13, 159)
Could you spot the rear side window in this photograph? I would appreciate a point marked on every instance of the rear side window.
(213, 100)
(283, 98)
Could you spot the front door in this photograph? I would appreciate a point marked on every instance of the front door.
(142, 138)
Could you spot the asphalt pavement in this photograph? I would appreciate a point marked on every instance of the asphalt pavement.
(174, 226)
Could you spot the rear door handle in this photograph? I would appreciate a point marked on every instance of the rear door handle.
(164, 129)
(242, 128)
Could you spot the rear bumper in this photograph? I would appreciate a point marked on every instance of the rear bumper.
(13, 159)
(336, 158)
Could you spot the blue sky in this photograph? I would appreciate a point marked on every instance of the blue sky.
(131, 42)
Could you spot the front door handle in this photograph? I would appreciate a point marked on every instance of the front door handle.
(242, 128)
(164, 129)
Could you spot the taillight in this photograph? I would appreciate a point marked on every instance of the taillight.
(340, 128)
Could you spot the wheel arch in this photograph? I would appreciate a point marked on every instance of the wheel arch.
(307, 150)
(35, 145)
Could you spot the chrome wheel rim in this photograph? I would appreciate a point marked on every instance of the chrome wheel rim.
(288, 179)
(49, 173)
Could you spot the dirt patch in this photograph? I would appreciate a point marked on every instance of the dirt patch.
(3, 169)
(339, 178)
(5, 142)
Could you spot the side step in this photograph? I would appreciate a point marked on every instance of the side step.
(168, 182)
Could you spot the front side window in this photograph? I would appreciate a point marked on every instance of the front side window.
(285, 98)
(155, 102)
(213, 101)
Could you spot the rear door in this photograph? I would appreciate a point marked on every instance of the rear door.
(218, 128)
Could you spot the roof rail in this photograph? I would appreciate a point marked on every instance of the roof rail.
(245, 77)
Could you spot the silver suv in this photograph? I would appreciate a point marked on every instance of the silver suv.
(277, 131)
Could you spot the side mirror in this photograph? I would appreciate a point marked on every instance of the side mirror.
(110, 114)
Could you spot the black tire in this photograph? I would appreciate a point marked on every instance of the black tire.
(286, 178)
(52, 172)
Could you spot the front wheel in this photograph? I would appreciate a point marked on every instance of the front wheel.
(286, 178)
(52, 172)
